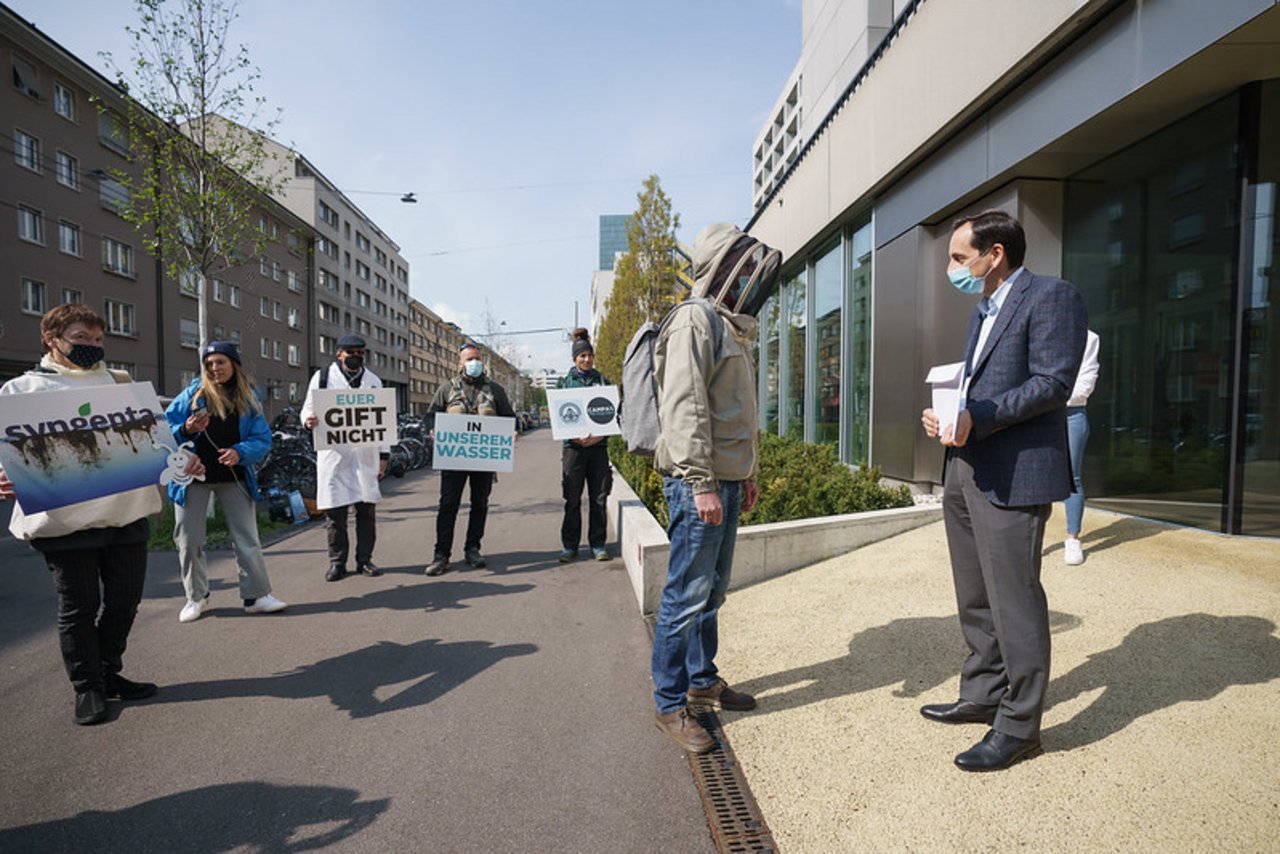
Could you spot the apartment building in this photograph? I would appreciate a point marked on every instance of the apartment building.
(1136, 141)
(433, 349)
(361, 280)
(63, 138)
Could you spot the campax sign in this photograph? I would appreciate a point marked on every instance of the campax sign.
(64, 447)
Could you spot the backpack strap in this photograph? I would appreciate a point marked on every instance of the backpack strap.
(324, 377)
(713, 317)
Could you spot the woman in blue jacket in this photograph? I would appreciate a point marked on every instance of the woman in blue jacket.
(222, 419)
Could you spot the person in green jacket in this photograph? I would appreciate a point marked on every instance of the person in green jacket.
(584, 460)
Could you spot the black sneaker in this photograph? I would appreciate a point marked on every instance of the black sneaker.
(119, 688)
(474, 558)
(91, 708)
(438, 566)
(367, 568)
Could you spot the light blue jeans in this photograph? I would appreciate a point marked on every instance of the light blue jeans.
(1077, 438)
(686, 637)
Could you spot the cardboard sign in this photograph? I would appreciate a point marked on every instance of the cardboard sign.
(474, 443)
(354, 417)
(67, 446)
(579, 412)
(948, 393)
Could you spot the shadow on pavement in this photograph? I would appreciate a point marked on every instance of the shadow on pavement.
(351, 681)
(438, 595)
(1182, 659)
(921, 653)
(1118, 533)
(234, 816)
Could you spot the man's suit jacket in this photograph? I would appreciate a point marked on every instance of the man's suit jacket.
(1018, 389)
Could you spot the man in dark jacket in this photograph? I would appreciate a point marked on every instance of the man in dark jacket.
(469, 392)
(1006, 463)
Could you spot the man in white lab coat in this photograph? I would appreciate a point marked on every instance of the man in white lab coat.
(347, 477)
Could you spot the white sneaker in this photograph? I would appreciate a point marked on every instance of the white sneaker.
(192, 610)
(265, 605)
(1073, 554)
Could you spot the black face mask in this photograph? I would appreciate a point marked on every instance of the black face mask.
(353, 363)
(85, 355)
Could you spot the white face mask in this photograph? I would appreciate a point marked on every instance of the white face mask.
(473, 368)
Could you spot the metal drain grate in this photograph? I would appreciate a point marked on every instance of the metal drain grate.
(737, 826)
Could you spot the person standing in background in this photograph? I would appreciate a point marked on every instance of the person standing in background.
(347, 477)
(584, 460)
(219, 414)
(1077, 438)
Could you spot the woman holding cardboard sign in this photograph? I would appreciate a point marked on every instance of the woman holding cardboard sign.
(219, 414)
(95, 549)
(584, 461)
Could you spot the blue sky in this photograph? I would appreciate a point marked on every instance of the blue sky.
(460, 102)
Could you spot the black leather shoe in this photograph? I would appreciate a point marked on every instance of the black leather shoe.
(91, 707)
(335, 573)
(119, 688)
(368, 569)
(996, 752)
(474, 558)
(438, 566)
(960, 712)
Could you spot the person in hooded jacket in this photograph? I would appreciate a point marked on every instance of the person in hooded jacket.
(584, 460)
(471, 391)
(347, 477)
(220, 415)
(96, 550)
(707, 454)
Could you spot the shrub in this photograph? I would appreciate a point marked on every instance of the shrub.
(797, 481)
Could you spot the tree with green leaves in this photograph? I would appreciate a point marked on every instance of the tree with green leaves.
(198, 177)
(645, 282)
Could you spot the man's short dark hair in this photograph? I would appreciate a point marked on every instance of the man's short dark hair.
(992, 227)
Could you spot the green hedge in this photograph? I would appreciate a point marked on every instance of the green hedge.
(797, 481)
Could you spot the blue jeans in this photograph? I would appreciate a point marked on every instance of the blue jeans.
(686, 637)
(1077, 438)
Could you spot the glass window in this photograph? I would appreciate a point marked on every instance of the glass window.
(188, 332)
(69, 238)
(64, 101)
(858, 370)
(768, 362)
(112, 133)
(234, 296)
(26, 151)
(70, 295)
(113, 195)
(67, 169)
(25, 78)
(30, 224)
(826, 346)
(795, 317)
(1150, 239)
(120, 318)
(32, 296)
(1260, 381)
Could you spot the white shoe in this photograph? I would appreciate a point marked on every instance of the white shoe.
(265, 605)
(192, 610)
(1073, 554)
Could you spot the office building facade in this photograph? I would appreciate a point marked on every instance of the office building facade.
(1139, 144)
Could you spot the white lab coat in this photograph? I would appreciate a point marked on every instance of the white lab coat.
(348, 475)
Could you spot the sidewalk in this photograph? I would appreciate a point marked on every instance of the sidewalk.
(1163, 726)
(501, 709)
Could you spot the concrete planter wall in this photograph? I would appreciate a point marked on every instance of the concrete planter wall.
(762, 551)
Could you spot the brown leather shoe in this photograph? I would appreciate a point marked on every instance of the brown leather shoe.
(682, 728)
(721, 698)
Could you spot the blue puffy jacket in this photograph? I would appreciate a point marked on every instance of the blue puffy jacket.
(255, 440)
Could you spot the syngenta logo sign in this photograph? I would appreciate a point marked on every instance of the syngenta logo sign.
(84, 420)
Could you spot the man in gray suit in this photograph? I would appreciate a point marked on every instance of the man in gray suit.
(1006, 463)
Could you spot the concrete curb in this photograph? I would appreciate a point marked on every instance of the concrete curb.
(762, 551)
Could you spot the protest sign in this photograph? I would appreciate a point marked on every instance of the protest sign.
(587, 411)
(356, 417)
(474, 443)
(67, 446)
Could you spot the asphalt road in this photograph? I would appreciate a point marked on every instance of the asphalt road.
(499, 709)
